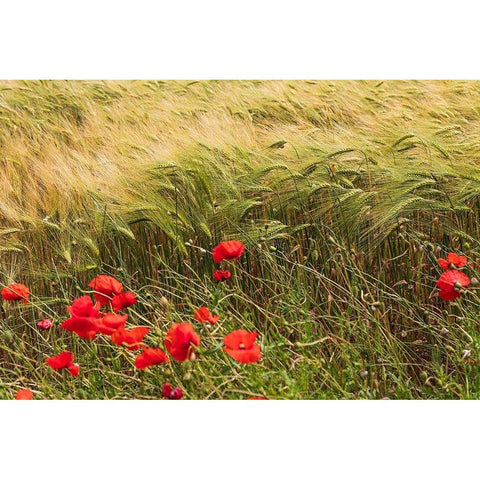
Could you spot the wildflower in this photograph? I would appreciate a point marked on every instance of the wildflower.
(149, 357)
(453, 260)
(181, 340)
(83, 320)
(123, 300)
(241, 346)
(230, 250)
(131, 338)
(203, 315)
(24, 394)
(221, 275)
(83, 307)
(45, 324)
(105, 288)
(110, 322)
(64, 360)
(172, 393)
(257, 398)
(451, 283)
(84, 327)
(16, 291)
(74, 369)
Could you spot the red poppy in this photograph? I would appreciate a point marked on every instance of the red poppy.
(257, 398)
(24, 394)
(74, 369)
(131, 338)
(241, 346)
(84, 327)
(45, 324)
(450, 284)
(172, 393)
(232, 249)
(64, 360)
(83, 307)
(83, 320)
(221, 275)
(123, 300)
(110, 322)
(16, 291)
(203, 315)
(105, 288)
(181, 340)
(149, 357)
(453, 260)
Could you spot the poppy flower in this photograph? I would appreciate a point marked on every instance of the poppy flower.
(257, 398)
(110, 322)
(105, 288)
(74, 369)
(84, 327)
(45, 324)
(171, 393)
(221, 275)
(123, 300)
(16, 291)
(203, 315)
(450, 283)
(64, 360)
(83, 320)
(24, 394)
(131, 338)
(241, 346)
(149, 357)
(229, 250)
(181, 340)
(83, 307)
(454, 260)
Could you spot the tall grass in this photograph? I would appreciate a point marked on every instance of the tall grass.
(344, 194)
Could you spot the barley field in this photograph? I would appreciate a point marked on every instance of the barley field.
(343, 194)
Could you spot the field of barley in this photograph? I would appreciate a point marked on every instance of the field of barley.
(344, 195)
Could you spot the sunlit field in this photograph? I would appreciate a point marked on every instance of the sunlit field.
(340, 202)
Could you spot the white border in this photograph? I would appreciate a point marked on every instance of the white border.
(216, 39)
(239, 439)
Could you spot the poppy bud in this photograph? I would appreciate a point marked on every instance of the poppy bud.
(192, 357)
(164, 302)
(474, 281)
(364, 373)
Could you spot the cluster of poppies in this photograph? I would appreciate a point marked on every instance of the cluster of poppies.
(87, 320)
(452, 282)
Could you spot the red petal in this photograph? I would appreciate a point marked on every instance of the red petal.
(61, 360)
(24, 395)
(149, 357)
(252, 355)
(84, 327)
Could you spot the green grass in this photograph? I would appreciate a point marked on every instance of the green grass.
(344, 193)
